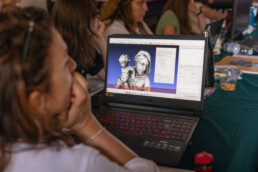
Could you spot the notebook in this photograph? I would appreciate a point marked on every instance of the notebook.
(154, 85)
(214, 28)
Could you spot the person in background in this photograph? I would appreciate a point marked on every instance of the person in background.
(35, 3)
(12, 2)
(79, 24)
(209, 13)
(175, 19)
(39, 95)
(124, 17)
(196, 15)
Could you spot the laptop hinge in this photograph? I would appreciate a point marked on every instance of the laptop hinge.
(148, 108)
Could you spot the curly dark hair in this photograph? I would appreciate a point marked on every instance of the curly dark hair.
(20, 75)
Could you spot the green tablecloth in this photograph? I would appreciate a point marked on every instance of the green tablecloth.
(229, 127)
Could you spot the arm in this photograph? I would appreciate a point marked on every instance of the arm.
(168, 24)
(211, 14)
(169, 30)
(195, 13)
(201, 20)
(80, 119)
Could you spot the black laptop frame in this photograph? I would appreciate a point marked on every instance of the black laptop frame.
(194, 106)
(214, 28)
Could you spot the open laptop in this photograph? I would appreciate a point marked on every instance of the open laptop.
(214, 28)
(156, 118)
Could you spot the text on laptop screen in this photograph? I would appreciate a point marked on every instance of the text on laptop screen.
(165, 68)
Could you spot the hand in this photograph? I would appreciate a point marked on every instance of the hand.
(192, 8)
(99, 37)
(79, 112)
(100, 29)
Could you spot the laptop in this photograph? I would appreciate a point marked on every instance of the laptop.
(214, 28)
(154, 112)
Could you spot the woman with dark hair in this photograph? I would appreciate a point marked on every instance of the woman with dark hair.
(124, 17)
(175, 19)
(39, 95)
(79, 24)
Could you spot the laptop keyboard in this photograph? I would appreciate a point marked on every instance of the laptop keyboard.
(146, 125)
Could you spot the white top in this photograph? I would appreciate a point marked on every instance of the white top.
(79, 158)
(118, 27)
(34, 3)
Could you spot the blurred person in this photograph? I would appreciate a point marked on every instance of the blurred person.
(175, 19)
(39, 95)
(208, 12)
(78, 23)
(124, 17)
(35, 3)
(11, 2)
(196, 15)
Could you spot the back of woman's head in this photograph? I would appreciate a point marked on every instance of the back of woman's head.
(180, 8)
(22, 70)
(117, 9)
(74, 20)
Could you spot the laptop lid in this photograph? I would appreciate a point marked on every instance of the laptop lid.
(214, 29)
(156, 70)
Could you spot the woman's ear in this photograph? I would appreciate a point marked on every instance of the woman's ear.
(37, 102)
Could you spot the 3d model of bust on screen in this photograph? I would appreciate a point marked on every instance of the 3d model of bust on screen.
(136, 79)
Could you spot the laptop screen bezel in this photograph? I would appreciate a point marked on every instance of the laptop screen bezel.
(156, 101)
(215, 28)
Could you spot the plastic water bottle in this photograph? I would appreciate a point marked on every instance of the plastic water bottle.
(252, 18)
(236, 48)
(231, 47)
(245, 50)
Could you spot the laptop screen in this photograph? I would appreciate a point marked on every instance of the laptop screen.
(155, 66)
(156, 70)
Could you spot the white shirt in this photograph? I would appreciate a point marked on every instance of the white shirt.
(34, 3)
(118, 27)
(79, 158)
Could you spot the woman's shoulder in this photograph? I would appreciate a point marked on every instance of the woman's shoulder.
(169, 13)
(146, 27)
(116, 27)
(52, 158)
(167, 18)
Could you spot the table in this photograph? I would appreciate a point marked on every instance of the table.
(229, 127)
(166, 169)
